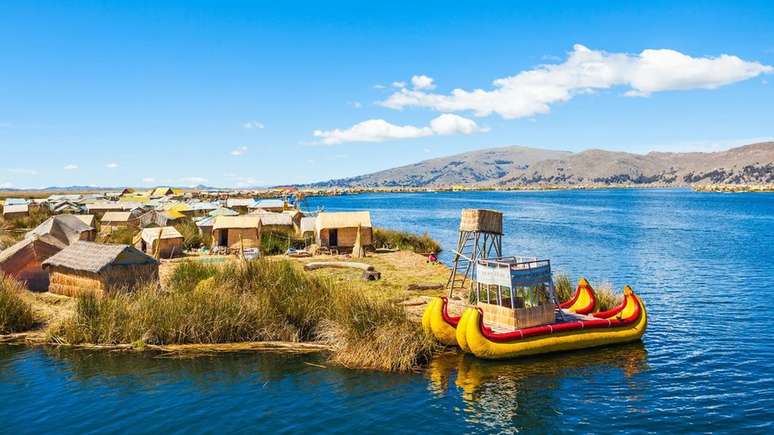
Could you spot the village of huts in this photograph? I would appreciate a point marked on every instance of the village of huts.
(71, 244)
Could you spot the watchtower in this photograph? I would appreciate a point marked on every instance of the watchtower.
(481, 232)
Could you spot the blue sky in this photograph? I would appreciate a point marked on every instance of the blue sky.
(232, 93)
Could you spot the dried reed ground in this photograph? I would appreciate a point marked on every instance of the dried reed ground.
(15, 313)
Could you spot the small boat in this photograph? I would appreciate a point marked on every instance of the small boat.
(622, 324)
(516, 314)
(437, 321)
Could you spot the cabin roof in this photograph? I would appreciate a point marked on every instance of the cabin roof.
(151, 234)
(95, 257)
(247, 221)
(117, 216)
(66, 228)
(350, 219)
(269, 218)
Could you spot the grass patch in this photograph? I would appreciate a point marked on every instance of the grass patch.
(404, 240)
(15, 313)
(36, 217)
(260, 300)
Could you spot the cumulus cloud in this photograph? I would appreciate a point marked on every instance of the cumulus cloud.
(148, 180)
(112, 165)
(71, 167)
(22, 171)
(422, 82)
(252, 125)
(533, 91)
(239, 151)
(6, 185)
(379, 130)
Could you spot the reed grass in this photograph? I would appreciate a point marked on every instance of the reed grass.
(119, 236)
(15, 314)
(260, 300)
(405, 241)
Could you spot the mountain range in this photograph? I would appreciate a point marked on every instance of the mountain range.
(523, 166)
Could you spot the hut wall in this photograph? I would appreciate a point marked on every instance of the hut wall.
(168, 247)
(238, 237)
(73, 283)
(347, 236)
(120, 277)
(12, 216)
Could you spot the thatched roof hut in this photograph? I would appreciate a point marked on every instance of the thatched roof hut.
(235, 232)
(87, 267)
(340, 229)
(272, 205)
(275, 222)
(65, 228)
(23, 260)
(162, 242)
(118, 219)
(88, 219)
(15, 211)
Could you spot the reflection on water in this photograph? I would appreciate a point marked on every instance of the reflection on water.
(506, 394)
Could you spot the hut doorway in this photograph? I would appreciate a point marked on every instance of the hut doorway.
(333, 237)
(223, 238)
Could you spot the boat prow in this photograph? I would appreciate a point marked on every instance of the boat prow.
(623, 324)
(437, 322)
(584, 301)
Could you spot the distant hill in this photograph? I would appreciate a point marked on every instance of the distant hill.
(515, 166)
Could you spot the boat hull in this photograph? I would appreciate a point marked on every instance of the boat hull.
(437, 322)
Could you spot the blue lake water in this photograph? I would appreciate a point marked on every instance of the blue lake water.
(703, 262)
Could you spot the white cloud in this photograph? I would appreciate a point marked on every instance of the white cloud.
(148, 180)
(112, 165)
(71, 167)
(252, 125)
(533, 91)
(422, 82)
(355, 104)
(239, 151)
(379, 130)
(398, 84)
(6, 185)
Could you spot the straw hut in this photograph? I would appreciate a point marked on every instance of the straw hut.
(270, 205)
(340, 230)
(15, 211)
(100, 208)
(87, 267)
(23, 260)
(162, 242)
(114, 220)
(162, 191)
(275, 222)
(235, 232)
(240, 205)
(88, 219)
(66, 228)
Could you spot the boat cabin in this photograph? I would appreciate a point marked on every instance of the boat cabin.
(515, 292)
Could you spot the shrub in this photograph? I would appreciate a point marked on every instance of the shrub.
(405, 241)
(15, 313)
(191, 237)
(275, 243)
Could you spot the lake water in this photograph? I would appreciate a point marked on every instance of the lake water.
(703, 262)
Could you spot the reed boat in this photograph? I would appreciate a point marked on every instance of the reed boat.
(622, 324)
(516, 314)
(437, 322)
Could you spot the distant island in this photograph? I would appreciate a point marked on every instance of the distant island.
(522, 167)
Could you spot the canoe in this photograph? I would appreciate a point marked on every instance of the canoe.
(622, 324)
(437, 322)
